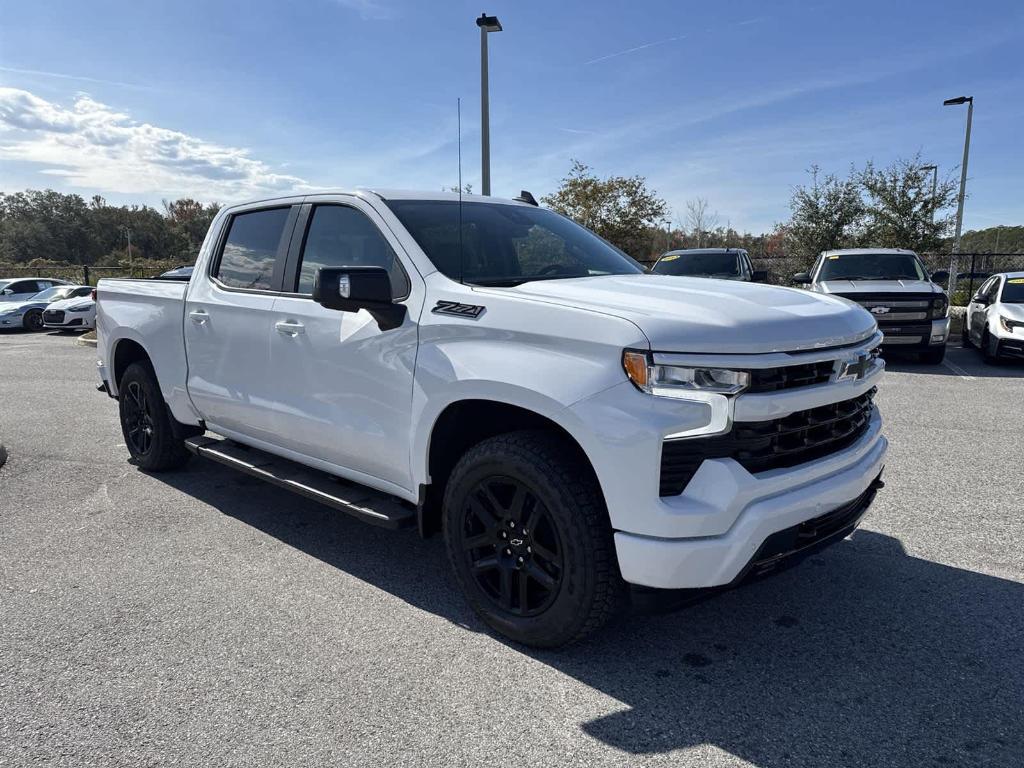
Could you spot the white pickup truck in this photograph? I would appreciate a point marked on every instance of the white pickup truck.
(581, 432)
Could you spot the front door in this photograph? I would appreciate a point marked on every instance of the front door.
(343, 386)
(229, 323)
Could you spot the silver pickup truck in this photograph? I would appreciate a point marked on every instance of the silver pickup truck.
(893, 285)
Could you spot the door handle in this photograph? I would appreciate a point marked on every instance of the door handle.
(289, 327)
(198, 316)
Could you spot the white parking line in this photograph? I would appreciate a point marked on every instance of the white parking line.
(958, 370)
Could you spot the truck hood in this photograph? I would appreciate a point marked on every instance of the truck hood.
(701, 315)
(847, 287)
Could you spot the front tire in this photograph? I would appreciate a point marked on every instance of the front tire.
(145, 422)
(529, 539)
(989, 348)
(33, 320)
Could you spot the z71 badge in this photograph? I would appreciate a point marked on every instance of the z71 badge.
(457, 309)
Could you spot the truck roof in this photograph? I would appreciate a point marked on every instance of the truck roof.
(418, 194)
(854, 251)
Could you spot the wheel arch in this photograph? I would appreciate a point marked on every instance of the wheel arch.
(466, 422)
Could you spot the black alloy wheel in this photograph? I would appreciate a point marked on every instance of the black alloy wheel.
(33, 320)
(138, 416)
(512, 547)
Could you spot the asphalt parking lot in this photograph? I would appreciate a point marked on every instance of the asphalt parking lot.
(203, 618)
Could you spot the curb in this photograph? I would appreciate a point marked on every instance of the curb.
(85, 341)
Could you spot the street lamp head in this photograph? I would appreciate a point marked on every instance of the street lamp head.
(488, 23)
(958, 100)
(929, 167)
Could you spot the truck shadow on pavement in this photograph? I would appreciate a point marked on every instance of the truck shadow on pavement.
(862, 655)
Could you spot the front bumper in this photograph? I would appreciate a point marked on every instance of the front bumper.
(762, 506)
(916, 335)
(708, 534)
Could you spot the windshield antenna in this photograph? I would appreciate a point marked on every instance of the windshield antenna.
(462, 258)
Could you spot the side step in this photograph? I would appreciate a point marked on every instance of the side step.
(365, 503)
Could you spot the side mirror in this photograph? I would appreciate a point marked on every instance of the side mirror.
(759, 276)
(6, 292)
(940, 275)
(802, 278)
(351, 289)
(983, 300)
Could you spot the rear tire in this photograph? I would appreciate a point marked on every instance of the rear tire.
(145, 422)
(529, 539)
(965, 337)
(934, 356)
(33, 320)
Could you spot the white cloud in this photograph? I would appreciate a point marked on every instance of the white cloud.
(95, 147)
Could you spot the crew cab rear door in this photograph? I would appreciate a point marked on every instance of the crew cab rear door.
(229, 321)
(342, 386)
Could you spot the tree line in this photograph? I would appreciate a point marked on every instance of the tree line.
(44, 226)
(892, 206)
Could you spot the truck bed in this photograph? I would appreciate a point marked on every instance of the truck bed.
(151, 313)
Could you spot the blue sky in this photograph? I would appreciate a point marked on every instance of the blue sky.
(732, 102)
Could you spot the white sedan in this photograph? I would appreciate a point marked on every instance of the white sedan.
(995, 317)
(76, 313)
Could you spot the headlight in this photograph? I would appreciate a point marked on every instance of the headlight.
(1009, 325)
(80, 308)
(940, 307)
(680, 381)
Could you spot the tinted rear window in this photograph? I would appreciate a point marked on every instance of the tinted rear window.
(251, 249)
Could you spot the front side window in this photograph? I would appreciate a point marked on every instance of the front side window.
(340, 236)
(872, 266)
(501, 244)
(250, 249)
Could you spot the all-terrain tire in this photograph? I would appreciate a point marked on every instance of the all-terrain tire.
(513, 479)
(146, 423)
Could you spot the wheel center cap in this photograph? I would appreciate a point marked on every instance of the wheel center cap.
(516, 542)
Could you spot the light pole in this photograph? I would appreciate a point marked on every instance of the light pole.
(486, 24)
(128, 234)
(935, 180)
(969, 100)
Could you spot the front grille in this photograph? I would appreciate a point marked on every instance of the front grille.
(789, 376)
(53, 316)
(762, 445)
(894, 309)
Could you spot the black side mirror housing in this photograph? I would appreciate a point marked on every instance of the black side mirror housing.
(350, 289)
(759, 276)
(983, 300)
(802, 278)
(940, 276)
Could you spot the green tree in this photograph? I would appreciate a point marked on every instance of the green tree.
(827, 213)
(620, 209)
(900, 209)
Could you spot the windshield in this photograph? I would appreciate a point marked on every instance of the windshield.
(872, 266)
(51, 295)
(1013, 291)
(507, 244)
(701, 264)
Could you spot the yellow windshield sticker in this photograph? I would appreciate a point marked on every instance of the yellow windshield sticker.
(1016, 280)
(831, 258)
(673, 257)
